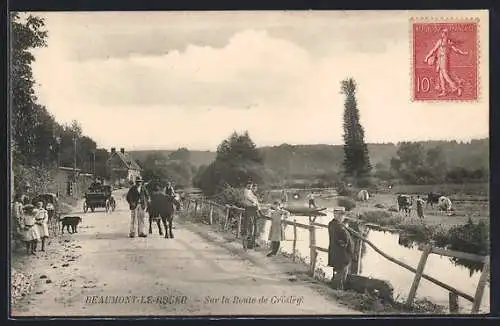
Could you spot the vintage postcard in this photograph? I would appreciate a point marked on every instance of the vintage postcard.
(249, 163)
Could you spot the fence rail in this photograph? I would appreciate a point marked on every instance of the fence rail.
(197, 205)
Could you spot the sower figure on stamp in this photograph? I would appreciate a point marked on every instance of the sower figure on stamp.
(340, 249)
(439, 55)
(138, 199)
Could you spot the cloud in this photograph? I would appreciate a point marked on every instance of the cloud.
(280, 88)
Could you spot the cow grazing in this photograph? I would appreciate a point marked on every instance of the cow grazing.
(444, 205)
(363, 195)
(404, 204)
(433, 198)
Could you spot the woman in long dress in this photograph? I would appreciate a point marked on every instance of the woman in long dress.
(277, 232)
(17, 218)
(42, 223)
(31, 235)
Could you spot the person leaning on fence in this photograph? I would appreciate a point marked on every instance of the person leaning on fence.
(341, 247)
(30, 231)
(42, 223)
(252, 208)
(277, 230)
(138, 199)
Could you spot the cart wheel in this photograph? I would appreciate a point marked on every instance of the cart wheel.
(85, 207)
(113, 205)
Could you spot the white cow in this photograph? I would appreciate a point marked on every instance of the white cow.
(363, 195)
(444, 204)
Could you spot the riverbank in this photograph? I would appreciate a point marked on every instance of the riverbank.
(363, 302)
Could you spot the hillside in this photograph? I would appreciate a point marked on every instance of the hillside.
(315, 159)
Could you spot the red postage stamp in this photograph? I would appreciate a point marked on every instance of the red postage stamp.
(445, 60)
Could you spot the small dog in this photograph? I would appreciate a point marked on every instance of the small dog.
(70, 221)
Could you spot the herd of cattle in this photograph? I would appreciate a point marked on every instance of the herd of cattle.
(406, 202)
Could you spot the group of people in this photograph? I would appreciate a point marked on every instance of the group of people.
(341, 245)
(30, 223)
(139, 200)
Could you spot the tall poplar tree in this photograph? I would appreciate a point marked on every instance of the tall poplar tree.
(356, 160)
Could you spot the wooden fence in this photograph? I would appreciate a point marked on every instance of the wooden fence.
(220, 214)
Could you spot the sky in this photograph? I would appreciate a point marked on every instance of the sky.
(159, 80)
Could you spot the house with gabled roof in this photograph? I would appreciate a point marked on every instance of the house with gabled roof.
(122, 167)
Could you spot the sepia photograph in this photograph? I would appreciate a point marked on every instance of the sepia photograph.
(249, 163)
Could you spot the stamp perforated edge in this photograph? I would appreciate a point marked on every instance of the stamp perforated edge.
(478, 56)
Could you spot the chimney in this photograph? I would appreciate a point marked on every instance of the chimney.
(113, 150)
(122, 150)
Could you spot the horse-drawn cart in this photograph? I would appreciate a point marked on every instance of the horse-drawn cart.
(99, 197)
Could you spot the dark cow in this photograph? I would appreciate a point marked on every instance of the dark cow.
(433, 198)
(404, 204)
(162, 206)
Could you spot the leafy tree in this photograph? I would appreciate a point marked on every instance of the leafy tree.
(356, 160)
(27, 34)
(237, 161)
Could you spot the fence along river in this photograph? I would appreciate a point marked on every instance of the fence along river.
(374, 265)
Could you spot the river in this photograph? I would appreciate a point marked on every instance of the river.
(376, 266)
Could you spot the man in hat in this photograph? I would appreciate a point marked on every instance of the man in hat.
(249, 221)
(138, 199)
(341, 247)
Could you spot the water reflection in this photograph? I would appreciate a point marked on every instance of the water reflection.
(457, 274)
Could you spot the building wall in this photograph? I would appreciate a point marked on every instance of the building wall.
(133, 175)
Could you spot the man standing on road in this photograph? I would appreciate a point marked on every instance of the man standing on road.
(250, 217)
(138, 199)
(420, 207)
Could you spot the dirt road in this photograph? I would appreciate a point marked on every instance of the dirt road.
(100, 271)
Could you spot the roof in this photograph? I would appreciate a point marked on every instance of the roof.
(128, 160)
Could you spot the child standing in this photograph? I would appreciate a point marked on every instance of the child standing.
(42, 223)
(277, 232)
(31, 235)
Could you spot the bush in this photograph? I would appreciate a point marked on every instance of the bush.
(381, 218)
(347, 203)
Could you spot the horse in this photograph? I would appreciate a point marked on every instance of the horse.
(162, 206)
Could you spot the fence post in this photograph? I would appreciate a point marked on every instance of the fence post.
(294, 239)
(312, 249)
(418, 274)
(453, 302)
(195, 207)
(239, 225)
(210, 214)
(478, 297)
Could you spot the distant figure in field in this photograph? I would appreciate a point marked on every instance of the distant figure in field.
(311, 198)
(420, 207)
(284, 197)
